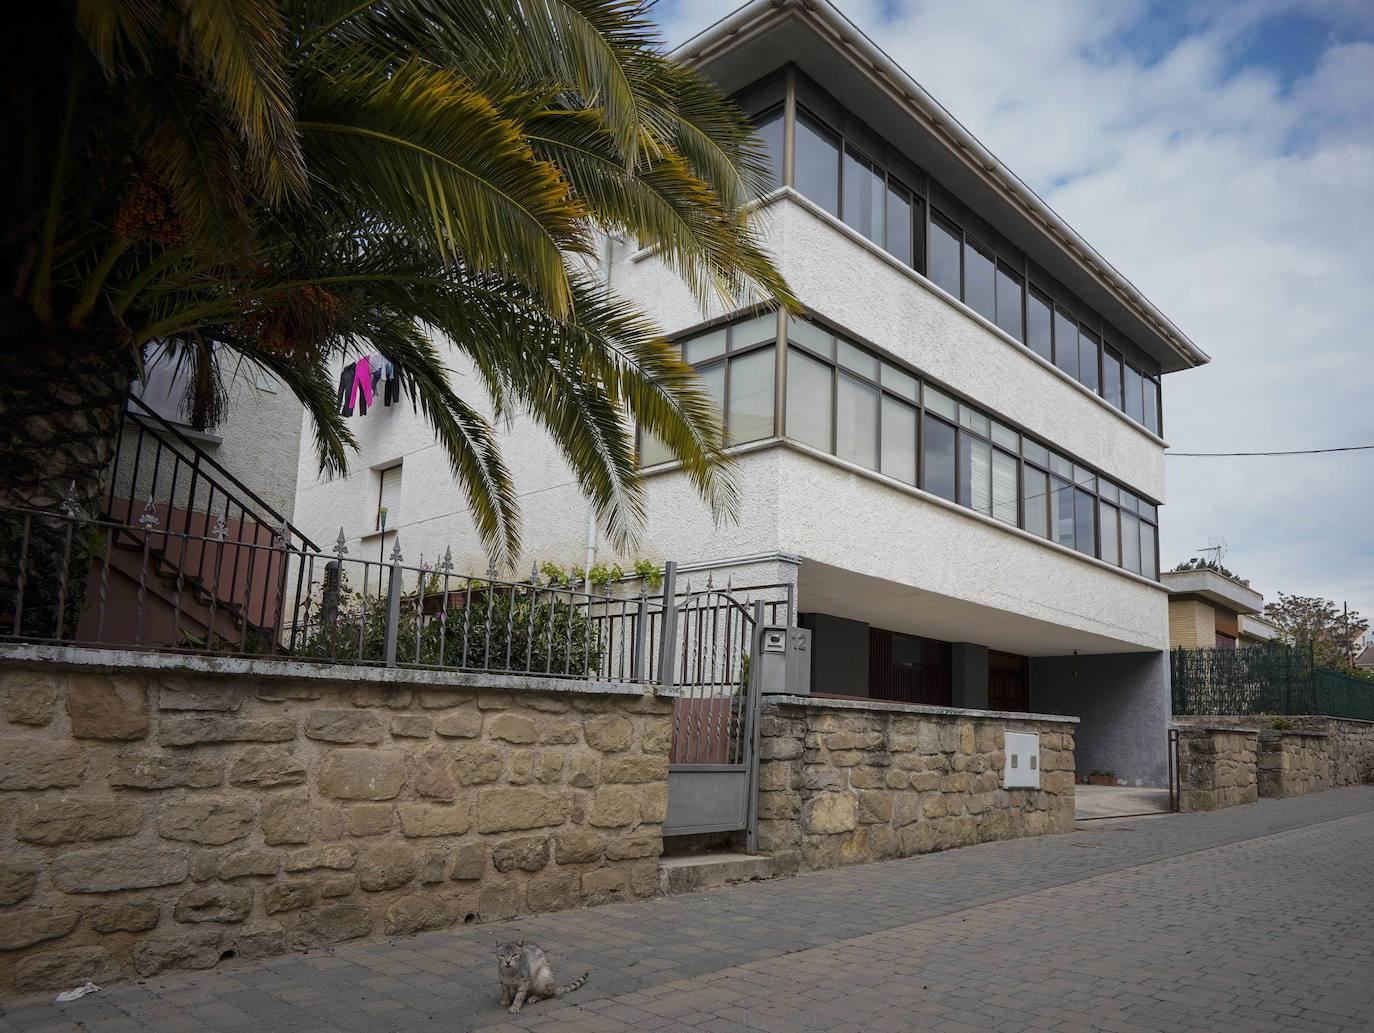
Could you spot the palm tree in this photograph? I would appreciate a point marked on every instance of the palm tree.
(301, 180)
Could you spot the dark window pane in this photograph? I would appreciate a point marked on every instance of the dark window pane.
(1087, 360)
(770, 130)
(1061, 512)
(1004, 469)
(856, 422)
(1147, 551)
(944, 258)
(816, 168)
(1130, 542)
(1085, 533)
(809, 387)
(1009, 302)
(1111, 377)
(899, 222)
(899, 440)
(863, 196)
(1036, 501)
(939, 458)
(1039, 334)
(750, 413)
(975, 474)
(980, 285)
(1111, 546)
(1135, 402)
(1065, 344)
(1151, 389)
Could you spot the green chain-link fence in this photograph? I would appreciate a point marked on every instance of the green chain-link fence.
(1270, 679)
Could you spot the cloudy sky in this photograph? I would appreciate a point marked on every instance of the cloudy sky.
(1221, 156)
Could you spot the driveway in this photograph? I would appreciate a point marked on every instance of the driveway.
(1249, 920)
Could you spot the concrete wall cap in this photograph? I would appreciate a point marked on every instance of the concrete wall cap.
(886, 706)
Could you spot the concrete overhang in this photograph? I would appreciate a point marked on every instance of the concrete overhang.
(767, 34)
(1251, 626)
(1215, 588)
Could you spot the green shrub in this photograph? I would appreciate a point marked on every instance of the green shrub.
(1280, 724)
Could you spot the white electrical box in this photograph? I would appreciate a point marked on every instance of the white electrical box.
(1022, 769)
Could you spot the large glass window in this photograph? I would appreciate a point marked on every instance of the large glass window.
(770, 130)
(1135, 401)
(749, 414)
(1151, 400)
(1085, 523)
(1037, 488)
(899, 439)
(1065, 344)
(1130, 542)
(856, 422)
(975, 474)
(899, 215)
(1009, 293)
(939, 458)
(1111, 377)
(944, 258)
(809, 413)
(1061, 511)
(1147, 551)
(1111, 546)
(980, 286)
(863, 196)
(1087, 360)
(1004, 493)
(1039, 326)
(816, 168)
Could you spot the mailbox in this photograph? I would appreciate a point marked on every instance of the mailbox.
(785, 661)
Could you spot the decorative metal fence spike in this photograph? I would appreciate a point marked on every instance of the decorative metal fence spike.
(643, 588)
(340, 549)
(71, 506)
(284, 535)
(708, 581)
(491, 569)
(447, 565)
(608, 586)
(396, 556)
(149, 518)
(534, 573)
(220, 530)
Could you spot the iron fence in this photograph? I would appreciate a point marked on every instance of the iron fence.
(1269, 679)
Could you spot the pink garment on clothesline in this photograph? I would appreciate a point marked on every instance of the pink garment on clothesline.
(362, 377)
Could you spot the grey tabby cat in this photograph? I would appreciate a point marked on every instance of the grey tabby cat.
(526, 976)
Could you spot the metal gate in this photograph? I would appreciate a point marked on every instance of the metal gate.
(714, 767)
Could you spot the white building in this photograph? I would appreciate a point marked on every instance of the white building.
(957, 455)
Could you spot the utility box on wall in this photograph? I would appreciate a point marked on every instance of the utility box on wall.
(1022, 767)
(785, 661)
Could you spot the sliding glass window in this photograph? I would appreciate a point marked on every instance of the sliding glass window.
(816, 168)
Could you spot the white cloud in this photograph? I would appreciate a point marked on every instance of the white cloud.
(1237, 198)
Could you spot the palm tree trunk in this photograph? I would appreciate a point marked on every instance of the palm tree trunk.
(62, 394)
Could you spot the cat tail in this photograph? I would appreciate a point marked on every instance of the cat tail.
(573, 985)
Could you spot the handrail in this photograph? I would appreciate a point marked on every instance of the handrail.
(148, 416)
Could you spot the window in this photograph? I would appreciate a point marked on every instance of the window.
(1039, 334)
(939, 458)
(1009, 294)
(809, 414)
(975, 474)
(1065, 344)
(944, 257)
(1087, 360)
(816, 169)
(1111, 377)
(980, 285)
(856, 422)
(1061, 512)
(1151, 400)
(1037, 502)
(1111, 548)
(899, 214)
(770, 131)
(1085, 522)
(389, 497)
(749, 411)
(864, 193)
(1004, 494)
(1135, 395)
(899, 439)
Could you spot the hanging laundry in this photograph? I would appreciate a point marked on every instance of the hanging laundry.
(355, 387)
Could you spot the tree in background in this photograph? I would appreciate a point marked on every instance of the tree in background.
(1332, 633)
(291, 183)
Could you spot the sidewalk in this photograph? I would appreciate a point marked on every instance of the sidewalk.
(1255, 919)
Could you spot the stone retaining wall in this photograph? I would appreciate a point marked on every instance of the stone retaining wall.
(1217, 768)
(192, 810)
(844, 782)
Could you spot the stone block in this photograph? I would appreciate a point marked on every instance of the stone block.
(520, 767)
(827, 813)
(377, 694)
(614, 807)
(478, 763)
(43, 972)
(52, 822)
(319, 926)
(554, 892)
(195, 730)
(265, 941)
(511, 809)
(469, 861)
(30, 925)
(440, 699)
(361, 774)
(634, 767)
(431, 773)
(997, 825)
(779, 805)
(602, 886)
(288, 896)
(433, 866)
(578, 846)
(460, 724)
(609, 734)
(653, 802)
(634, 847)
(278, 691)
(512, 728)
(101, 706)
(212, 822)
(249, 862)
(386, 868)
(852, 740)
(418, 913)
(412, 726)
(778, 776)
(566, 731)
(498, 902)
(40, 764)
(548, 767)
(204, 864)
(493, 701)
(30, 698)
(370, 819)
(16, 882)
(125, 917)
(820, 778)
(224, 904)
(264, 767)
(866, 776)
(287, 819)
(221, 695)
(951, 832)
(166, 771)
(118, 868)
(582, 771)
(875, 806)
(344, 726)
(527, 853)
(419, 819)
(656, 737)
(339, 856)
(336, 885)
(780, 749)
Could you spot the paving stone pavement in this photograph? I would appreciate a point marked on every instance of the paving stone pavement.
(1257, 919)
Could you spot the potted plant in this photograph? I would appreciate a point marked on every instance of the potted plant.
(1098, 777)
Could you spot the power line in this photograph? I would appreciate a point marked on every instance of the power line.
(1293, 452)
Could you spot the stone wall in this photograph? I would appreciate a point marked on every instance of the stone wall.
(842, 782)
(1316, 754)
(162, 812)
(1217, 767)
